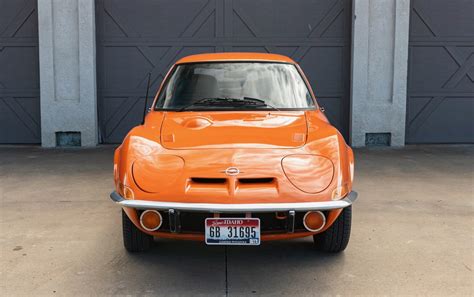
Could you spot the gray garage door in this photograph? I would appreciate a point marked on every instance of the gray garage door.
(19, 72)
(441, 72)
(137, 37)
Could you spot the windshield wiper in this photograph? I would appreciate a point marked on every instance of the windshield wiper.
(202, 101)
(224, 101)
(262, 101)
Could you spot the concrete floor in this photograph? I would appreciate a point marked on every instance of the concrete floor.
(412, 234)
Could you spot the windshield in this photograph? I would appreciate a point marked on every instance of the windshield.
(235, 85)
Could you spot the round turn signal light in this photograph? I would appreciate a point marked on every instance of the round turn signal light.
(314, 221)
(151, 220)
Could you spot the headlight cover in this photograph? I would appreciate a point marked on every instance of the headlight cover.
(309, 173)
(156, 172)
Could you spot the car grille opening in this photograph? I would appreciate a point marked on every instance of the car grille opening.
(193, 222)
(206, 180)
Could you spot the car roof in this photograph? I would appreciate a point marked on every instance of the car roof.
(235, 56)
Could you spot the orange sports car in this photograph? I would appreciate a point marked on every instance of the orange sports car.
(234, 151)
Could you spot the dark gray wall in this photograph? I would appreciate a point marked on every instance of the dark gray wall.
(137, 37)
(441, 72)
(19, 72)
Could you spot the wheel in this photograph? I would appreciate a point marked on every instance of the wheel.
(336, 237)
(134, 239)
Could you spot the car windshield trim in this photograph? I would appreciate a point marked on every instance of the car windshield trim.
(159, 102)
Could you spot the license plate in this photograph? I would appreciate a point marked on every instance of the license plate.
(233, 231)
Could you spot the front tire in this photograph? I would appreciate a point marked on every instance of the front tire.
(336, 237)
(134, 239)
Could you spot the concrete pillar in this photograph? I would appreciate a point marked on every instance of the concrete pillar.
(379, 71)
(67, 71)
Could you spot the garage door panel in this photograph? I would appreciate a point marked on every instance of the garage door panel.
(131, 70)
(440, 68)
(18, 18)
(19, 72)
(165, 19)
(446, 18)
(241, 28)
(19, 68)
(135, 38)
(441, 72)
(123, 115)
(19, 119)
(207, 28)
(29, 27)
(126, 67)
(336, 27)
(447, 117)
(294, 19)
(465, 83)
(125, 72)
(418, 27)
(417, 104)
(427, 73)
(248, 49)
(324, 68)
(111, 26)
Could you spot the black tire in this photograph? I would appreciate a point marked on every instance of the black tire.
(336, 237)
(134, 239)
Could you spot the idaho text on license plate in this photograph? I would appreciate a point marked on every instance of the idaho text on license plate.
(233, 231)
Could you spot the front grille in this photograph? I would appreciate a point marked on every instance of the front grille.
(206, 180)
(193, 222)
(264, 180)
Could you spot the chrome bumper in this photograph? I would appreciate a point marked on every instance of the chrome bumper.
(233, 208)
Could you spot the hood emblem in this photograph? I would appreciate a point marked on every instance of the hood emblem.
(232, 171)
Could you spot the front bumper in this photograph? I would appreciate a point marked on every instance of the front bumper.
(235, 208)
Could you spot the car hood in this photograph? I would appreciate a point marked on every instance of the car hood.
(243, 129)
